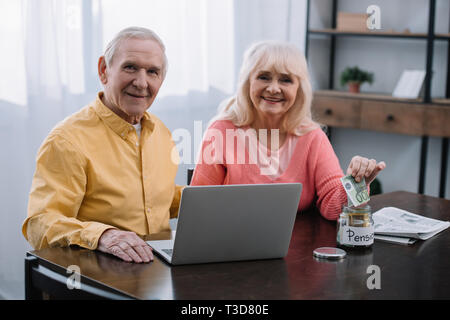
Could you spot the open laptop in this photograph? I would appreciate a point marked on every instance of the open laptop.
(232, 223)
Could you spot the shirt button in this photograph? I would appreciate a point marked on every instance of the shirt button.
(148, 210)
(137, 144)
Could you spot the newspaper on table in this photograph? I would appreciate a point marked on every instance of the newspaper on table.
(392, 239)
(392, 223)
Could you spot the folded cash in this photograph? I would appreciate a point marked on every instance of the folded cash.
(356, 191)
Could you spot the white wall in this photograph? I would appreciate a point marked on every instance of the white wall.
(387, 58)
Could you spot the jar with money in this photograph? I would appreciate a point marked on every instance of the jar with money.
(355, 228)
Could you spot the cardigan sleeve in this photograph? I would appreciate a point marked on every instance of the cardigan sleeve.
(327, 174)
(210, 168)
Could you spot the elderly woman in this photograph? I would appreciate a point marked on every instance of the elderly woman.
(265, 134)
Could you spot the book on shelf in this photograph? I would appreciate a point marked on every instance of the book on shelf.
(410, 84)
(400, 226)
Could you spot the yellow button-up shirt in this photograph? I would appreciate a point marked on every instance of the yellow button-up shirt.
(94, 173)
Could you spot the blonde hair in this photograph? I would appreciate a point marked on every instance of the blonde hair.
(284, 58)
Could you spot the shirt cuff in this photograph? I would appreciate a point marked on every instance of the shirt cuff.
(92, 233)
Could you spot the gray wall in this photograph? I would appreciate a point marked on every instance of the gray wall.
(387, 58)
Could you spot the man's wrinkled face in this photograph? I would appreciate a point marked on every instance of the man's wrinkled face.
(134, 77)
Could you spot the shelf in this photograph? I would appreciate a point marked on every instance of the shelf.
(378, 96)
(442, 36)
(442, 101)
(385, 34)
(380, 34)
(383, 113)
(367, 96)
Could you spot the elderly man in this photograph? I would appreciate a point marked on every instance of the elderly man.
(104, 176)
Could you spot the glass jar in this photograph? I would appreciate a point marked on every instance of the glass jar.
(355, 227)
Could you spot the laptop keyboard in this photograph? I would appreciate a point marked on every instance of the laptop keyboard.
(168, 251)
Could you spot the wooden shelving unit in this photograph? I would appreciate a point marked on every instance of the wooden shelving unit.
(427, 116)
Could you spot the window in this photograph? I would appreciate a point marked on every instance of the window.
(198, 35)
(50, 47)
(12, 63)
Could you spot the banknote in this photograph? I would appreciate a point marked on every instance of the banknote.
(356, 191)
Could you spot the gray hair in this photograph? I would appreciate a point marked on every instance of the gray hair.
(134, 32)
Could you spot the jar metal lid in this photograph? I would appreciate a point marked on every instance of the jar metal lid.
(329, 253)
(365, 208)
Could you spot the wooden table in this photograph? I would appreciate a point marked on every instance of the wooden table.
(418, 271)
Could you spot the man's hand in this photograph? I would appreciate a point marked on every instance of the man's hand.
(125, 245)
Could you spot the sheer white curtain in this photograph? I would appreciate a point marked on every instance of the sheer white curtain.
(49, 51)
(198, 35)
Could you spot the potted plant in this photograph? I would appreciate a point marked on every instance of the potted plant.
(354, 77)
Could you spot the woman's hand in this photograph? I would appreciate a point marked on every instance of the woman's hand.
(360, 167)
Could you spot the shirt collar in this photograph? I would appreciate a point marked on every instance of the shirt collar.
(116, 123)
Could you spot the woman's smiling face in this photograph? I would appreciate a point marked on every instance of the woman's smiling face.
(272, 92)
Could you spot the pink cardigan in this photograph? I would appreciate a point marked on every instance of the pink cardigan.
(313, 163)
